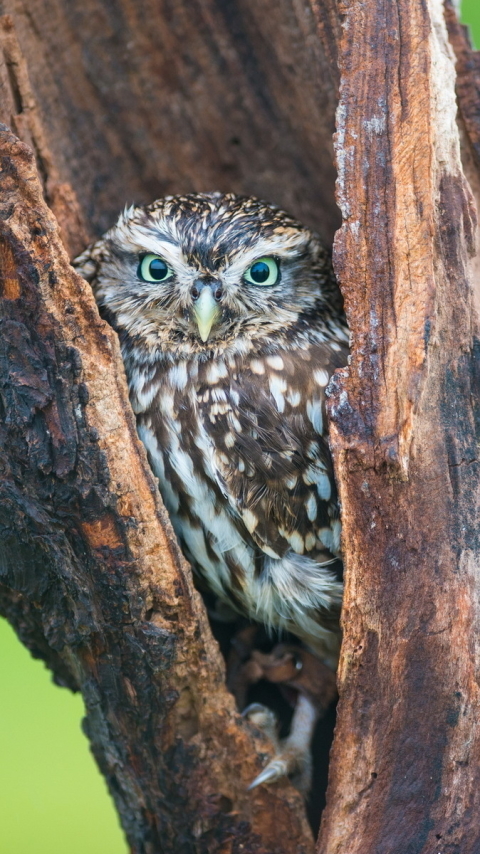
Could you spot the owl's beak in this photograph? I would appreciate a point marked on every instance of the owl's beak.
(206, 312)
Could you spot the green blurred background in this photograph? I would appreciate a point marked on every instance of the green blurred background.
(52, 798)
(470, 14)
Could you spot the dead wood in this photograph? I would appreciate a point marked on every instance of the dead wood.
(405, 774)
(126, 101)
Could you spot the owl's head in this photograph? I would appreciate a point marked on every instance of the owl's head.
(205, 272)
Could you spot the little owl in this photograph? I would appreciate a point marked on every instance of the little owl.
(231, 324)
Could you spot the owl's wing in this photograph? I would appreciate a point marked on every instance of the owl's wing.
(271, 448)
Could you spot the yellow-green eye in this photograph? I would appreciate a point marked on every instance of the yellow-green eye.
(265, 271)
(152, 268)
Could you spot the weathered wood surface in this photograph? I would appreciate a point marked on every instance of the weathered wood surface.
(405, 771)
(131, 100)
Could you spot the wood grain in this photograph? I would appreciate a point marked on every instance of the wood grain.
(405, 773)
(139, 99)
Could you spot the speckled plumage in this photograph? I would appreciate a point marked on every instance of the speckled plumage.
(234, 425)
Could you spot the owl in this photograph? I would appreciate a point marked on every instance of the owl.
(231, 324)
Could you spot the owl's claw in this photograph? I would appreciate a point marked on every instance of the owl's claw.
(315, 685)
(275, 770)
(293, 761)
(293, 757)
(290, 761)
(264, 718)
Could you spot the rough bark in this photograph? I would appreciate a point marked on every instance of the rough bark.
(133, 99)
(405, 774)
(123, 101)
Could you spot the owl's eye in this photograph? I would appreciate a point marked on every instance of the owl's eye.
(152, 268)
(265, 271)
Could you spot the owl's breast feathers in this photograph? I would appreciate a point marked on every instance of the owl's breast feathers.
(239, 447)
(231, 323)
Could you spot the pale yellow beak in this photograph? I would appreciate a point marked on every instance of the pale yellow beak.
(206, 312)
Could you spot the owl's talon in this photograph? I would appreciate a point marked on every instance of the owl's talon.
(253, 709)
(293, 762)
(289, 761)
(293, 757)
(275, 770)
(263, 718)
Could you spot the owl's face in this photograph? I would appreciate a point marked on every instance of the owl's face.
(205, 272)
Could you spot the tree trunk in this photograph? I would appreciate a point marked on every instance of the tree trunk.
(405, 774)
(126, 101)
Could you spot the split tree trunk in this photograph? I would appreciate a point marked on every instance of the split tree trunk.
(125, 101)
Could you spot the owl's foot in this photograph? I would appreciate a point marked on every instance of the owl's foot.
(293, 758)
(315, 686)
(263, 718)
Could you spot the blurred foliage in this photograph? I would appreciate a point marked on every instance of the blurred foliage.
(53, 798)
(470, 14)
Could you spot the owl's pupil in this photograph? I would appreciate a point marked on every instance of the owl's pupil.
(157, 269)
(260, 272)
